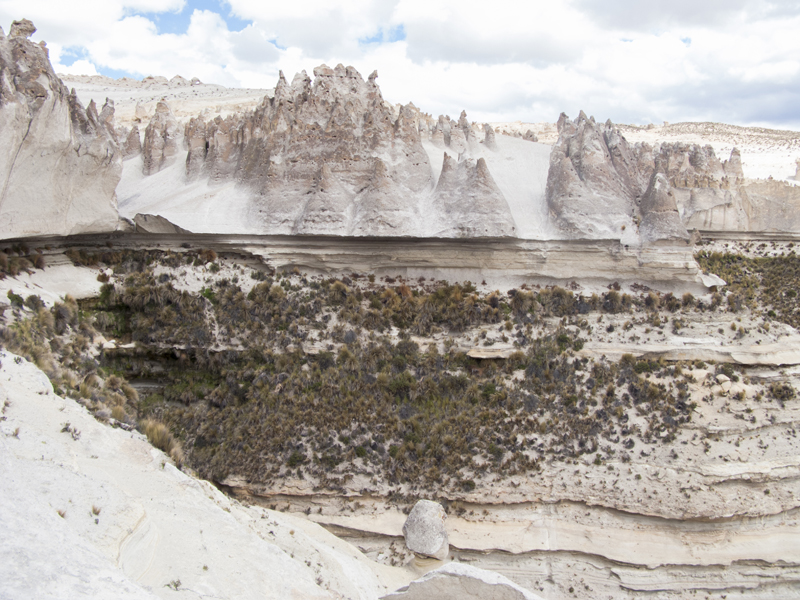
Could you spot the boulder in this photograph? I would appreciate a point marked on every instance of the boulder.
(424, 530)
(456, 581)
(161, 138)
(61, 163)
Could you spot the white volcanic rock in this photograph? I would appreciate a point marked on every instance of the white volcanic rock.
(660, 217)
(160, 147)
(134, 526)
(60, 164)
(489, 140)
(140, 112)
(326, 156)
(469, 203)
(155, 224)
(592, 186)
(456, 581)
(424, 530)
(133, 143)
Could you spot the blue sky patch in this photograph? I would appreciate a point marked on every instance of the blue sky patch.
(178, 22)
(395, 34)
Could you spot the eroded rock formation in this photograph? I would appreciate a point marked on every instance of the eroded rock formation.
(133, 143)
(468, 201)
(593, 183)
(600, 185)
(329, 156)
(60, 163)
(160, 147)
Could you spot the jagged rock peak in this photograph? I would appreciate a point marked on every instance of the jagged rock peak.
(133, 143)
(733, 166)
(22, 29)
(336, 124)
(594, 180)
(660, 217)
(160, 140)
(489, 137)
(469, 203)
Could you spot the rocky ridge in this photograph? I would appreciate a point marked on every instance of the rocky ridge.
(62, 159)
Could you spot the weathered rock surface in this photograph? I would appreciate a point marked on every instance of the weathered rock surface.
(155, 224)
(489, 140)
(424, 530)
(160, 147)
(456, 581)
(133, 143)
(600, 185)
(660, 217)
(469, 203)
(326, 156)
(60, 163)
(593, 183)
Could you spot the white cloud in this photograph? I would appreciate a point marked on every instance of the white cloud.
(732, 60)
(79, 67)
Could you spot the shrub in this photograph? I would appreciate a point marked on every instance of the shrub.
(159, 436)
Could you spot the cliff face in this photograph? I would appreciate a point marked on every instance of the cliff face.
(60, 163)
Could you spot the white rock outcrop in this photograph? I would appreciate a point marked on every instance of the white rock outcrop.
(60, 163)
(424, 530)
(161, 138)
(456, 581)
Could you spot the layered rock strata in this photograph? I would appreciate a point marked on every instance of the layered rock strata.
(61, 162)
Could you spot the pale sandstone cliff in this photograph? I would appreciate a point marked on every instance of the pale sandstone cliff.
(61, 163)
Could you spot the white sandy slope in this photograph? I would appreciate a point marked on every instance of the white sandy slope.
(198, 206)
(134, 526)
(53, 283)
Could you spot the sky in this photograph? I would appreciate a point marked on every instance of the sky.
(633, 61)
